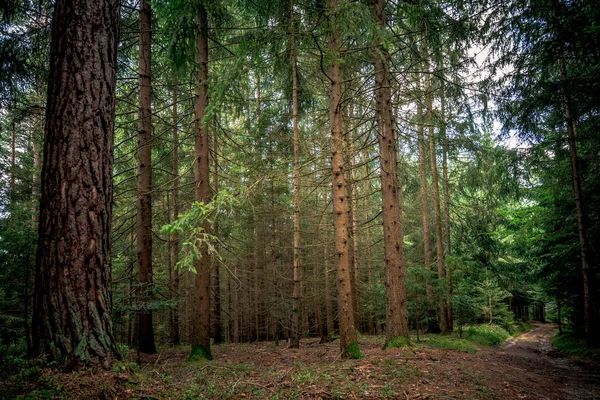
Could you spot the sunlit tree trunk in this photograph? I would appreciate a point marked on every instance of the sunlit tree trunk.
(71, 316)
(216, 274)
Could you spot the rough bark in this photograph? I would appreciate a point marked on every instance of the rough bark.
(348, 341)
(200, 339)
(71, 318)
(435, 195)
(396, 310)
(296, 292)
(144, 186)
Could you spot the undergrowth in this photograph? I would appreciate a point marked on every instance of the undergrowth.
(485, 334)
(447, 342)
(571, 344)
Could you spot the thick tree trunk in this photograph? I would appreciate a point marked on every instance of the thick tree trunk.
(200, 339)
(396, 320)
(297, 280)
(174, 243)
(348, 341)
(144, 186)
(71, 318)
(435, 194)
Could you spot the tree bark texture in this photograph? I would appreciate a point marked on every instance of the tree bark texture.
(145, 329)
(396, 308)
(200, 339)
(71, 322)
(348, 340)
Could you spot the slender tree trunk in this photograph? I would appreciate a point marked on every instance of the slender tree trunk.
(217, 322)
(447, 240)
(330, 325)
(72, 303)
(427, 256)
(200, 339)
(591, 328)
(348, 341)
(174, 243)
(144, 187)
(13, 165)
(350, 194)
(396, 320)
(435, 194)
(297, 280)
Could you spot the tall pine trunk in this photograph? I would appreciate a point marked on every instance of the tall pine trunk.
(348, 341)
(72, 303)
(435, 195)
(200, 339)
(174, 243)
(145, 329)
(396, 319)
(297, 288)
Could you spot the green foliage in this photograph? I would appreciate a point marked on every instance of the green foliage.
(485, 334)
(191, 226)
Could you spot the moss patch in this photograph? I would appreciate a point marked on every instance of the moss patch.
(352, 351)
(200, 352)
(396, 342)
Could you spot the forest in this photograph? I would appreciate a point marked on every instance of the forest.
(197, 179)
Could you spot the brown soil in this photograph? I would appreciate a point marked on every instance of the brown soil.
(526, 367)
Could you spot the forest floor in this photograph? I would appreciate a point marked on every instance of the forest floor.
(525, 367)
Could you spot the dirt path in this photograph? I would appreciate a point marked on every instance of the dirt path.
(531, 365)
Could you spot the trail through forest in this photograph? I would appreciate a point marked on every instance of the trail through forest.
(525, 367)
(540, 371)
